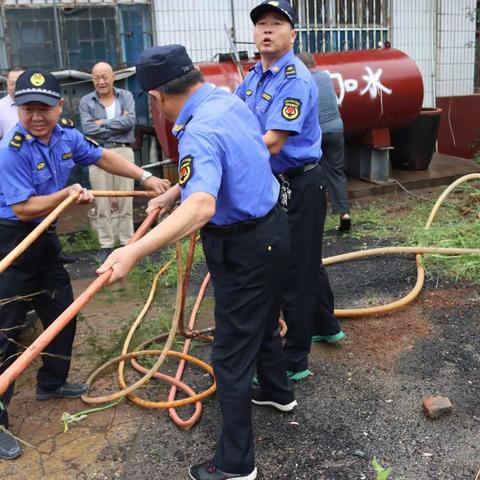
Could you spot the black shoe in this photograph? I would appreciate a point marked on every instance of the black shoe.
(67, 390)
(102, 255)
(345, 223)
(208, 471)
(9, 447)
(259, 399)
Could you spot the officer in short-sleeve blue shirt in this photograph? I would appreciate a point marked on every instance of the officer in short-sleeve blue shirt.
(282, 94)
(31, 168)
(285, 97)
(226, 188)
(35, 163)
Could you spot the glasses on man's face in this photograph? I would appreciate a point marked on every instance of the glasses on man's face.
(98, 78)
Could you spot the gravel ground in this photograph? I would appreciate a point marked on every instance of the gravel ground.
(365, 398)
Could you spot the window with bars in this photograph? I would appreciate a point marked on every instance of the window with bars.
(334, 25)
(87, 34)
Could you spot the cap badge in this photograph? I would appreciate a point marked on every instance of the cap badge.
(37, 79)
(274, 4)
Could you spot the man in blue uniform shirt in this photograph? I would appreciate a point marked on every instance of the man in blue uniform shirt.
(227, 189)
(282, 94)
(35, 163)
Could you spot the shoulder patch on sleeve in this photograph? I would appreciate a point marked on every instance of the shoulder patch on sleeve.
(17, 140)
(290, 71)
(66, 122)
(92, 141)
(291, 108)
(185, 170)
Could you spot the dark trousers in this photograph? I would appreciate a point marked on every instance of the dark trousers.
(333, 148)
(36, 270)
(308, 300)
(248, 275)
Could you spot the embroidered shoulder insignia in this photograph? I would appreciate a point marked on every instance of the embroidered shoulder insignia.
(67, 155)
(66, 122)
(266, 96)
(92, 141)
(291, 108)
(17, 140)
(290, 71)
(185, 170)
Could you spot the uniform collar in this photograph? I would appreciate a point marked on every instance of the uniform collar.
(189, 107)
(278, 65)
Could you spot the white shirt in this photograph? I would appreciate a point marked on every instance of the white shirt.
(110, 111)
(8, 115)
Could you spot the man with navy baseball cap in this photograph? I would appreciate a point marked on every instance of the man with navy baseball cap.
(282, 94)
(35, 162)
(227, 189)
(282, 7)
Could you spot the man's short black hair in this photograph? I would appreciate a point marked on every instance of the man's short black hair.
(182, 84)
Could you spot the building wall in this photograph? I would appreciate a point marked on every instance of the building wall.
(412, 31)
(456, 48)
(200, 25)
(440, 36)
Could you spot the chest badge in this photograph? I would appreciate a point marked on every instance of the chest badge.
(248, 93)
(291, 108)
(186, 170)
(40, 166)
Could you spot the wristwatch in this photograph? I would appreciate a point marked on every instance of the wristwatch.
(144, 176)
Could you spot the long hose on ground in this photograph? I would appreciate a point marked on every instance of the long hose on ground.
(180, 304)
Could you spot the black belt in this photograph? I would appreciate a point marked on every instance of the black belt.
(115, 145)
(25, 226)
(295, 172)
(239, 227)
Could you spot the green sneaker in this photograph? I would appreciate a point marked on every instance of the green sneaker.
(329, 338)
(296, 376)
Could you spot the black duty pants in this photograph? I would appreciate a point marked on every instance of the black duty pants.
(248, 276)
(308, 300)
(38, 269)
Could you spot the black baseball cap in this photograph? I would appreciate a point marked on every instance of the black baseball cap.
(281, 6)
(37, 85)
(162, 64)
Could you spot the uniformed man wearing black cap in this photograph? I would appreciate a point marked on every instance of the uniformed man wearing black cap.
(35, 163)
(281, 92)
(228, 190)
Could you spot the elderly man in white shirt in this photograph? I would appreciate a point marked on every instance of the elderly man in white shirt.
(8, 109)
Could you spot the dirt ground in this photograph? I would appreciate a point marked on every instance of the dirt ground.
(363, 401)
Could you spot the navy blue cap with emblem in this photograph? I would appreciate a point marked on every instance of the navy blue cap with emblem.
(37, 85)
(159, 65)
(281, 6)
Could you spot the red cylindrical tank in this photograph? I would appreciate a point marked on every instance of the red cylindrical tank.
(380, 88)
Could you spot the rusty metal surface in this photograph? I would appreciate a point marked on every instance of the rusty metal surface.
(380, 88)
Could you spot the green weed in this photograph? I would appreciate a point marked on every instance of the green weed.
(85, 240)
(382, 473)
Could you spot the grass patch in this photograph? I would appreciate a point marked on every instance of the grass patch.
(402, 221)
(85, 240)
